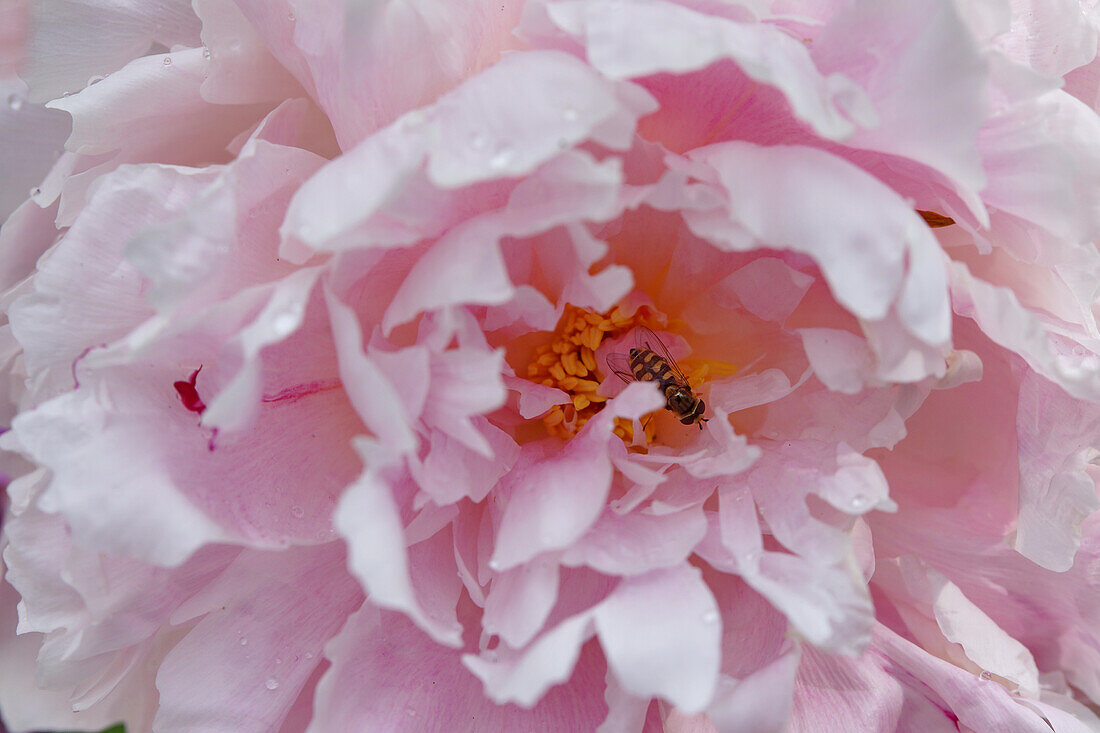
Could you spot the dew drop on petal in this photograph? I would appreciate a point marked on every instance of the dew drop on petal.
(501, 158)
(309, 655)
(16, 101)
(570, 114)
(410, 711)
(35, 192)
(297, 512)
(494, 565)
(271, 683)
(710, 617)
(244, 641)
(986, 675)
(478, 141)
(290, 16)
(859, 502)
(284, 323)
(95, 79)
(206, 54)
(167, 61)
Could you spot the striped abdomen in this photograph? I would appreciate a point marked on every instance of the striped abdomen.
(647, 366)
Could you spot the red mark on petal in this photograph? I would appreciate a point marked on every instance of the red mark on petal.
(189, 396)
(297, 392)
(80, 356)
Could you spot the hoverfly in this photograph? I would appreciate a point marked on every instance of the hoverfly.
(650, 361)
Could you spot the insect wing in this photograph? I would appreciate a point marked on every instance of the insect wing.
(646, 339)
(620, 364)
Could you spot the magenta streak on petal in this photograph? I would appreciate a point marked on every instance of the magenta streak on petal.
(189, 396)
(298, 391)
(76, 382)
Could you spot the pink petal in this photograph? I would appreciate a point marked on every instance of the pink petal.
(264, 623)
(74, 42)
(837, 231)
(26, 235)
(654, 37)
(451, 471)
(827, 603)
(760, 701)
(520, 601)
(660, 632)
(374, 396)
(1057, 492)
(979, 704)
(161, 524)
(240, 69)
(386, 675)
(625, 713)
(635, 543)
(998, 312)
(86, 284)
(768, 288)
(555, 500)
(226, 240)
(148, 111)
(27, 706)
(466, 382)
(466, 265)
(524, 677)
(30, 137)
(368, 518)
(926, 67)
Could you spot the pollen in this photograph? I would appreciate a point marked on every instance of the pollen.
(567, 361)
(700, 370)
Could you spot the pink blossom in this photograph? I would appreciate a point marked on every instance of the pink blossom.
(310, 419)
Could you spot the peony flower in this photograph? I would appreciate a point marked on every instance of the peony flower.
(314, 418)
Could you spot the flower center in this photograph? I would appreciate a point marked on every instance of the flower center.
(567, 361)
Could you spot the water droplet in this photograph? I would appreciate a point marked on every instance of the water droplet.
(859, 502)
(35, 192)
(16, 101)
(284, 323)
(710, 617)
(290, 16)
(570, 114)
(167, 61)
(271, 683)
(494, 565)
(410, 711)
(1080, 350)
(244, 642)
(297, 512)
(501, 158)
(278, 660)
(206, 54)
(986, 675)
(95, 79)
(309, 655)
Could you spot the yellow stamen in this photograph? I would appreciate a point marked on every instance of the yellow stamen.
(567, 361)
(554, 417)
(588, 358)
